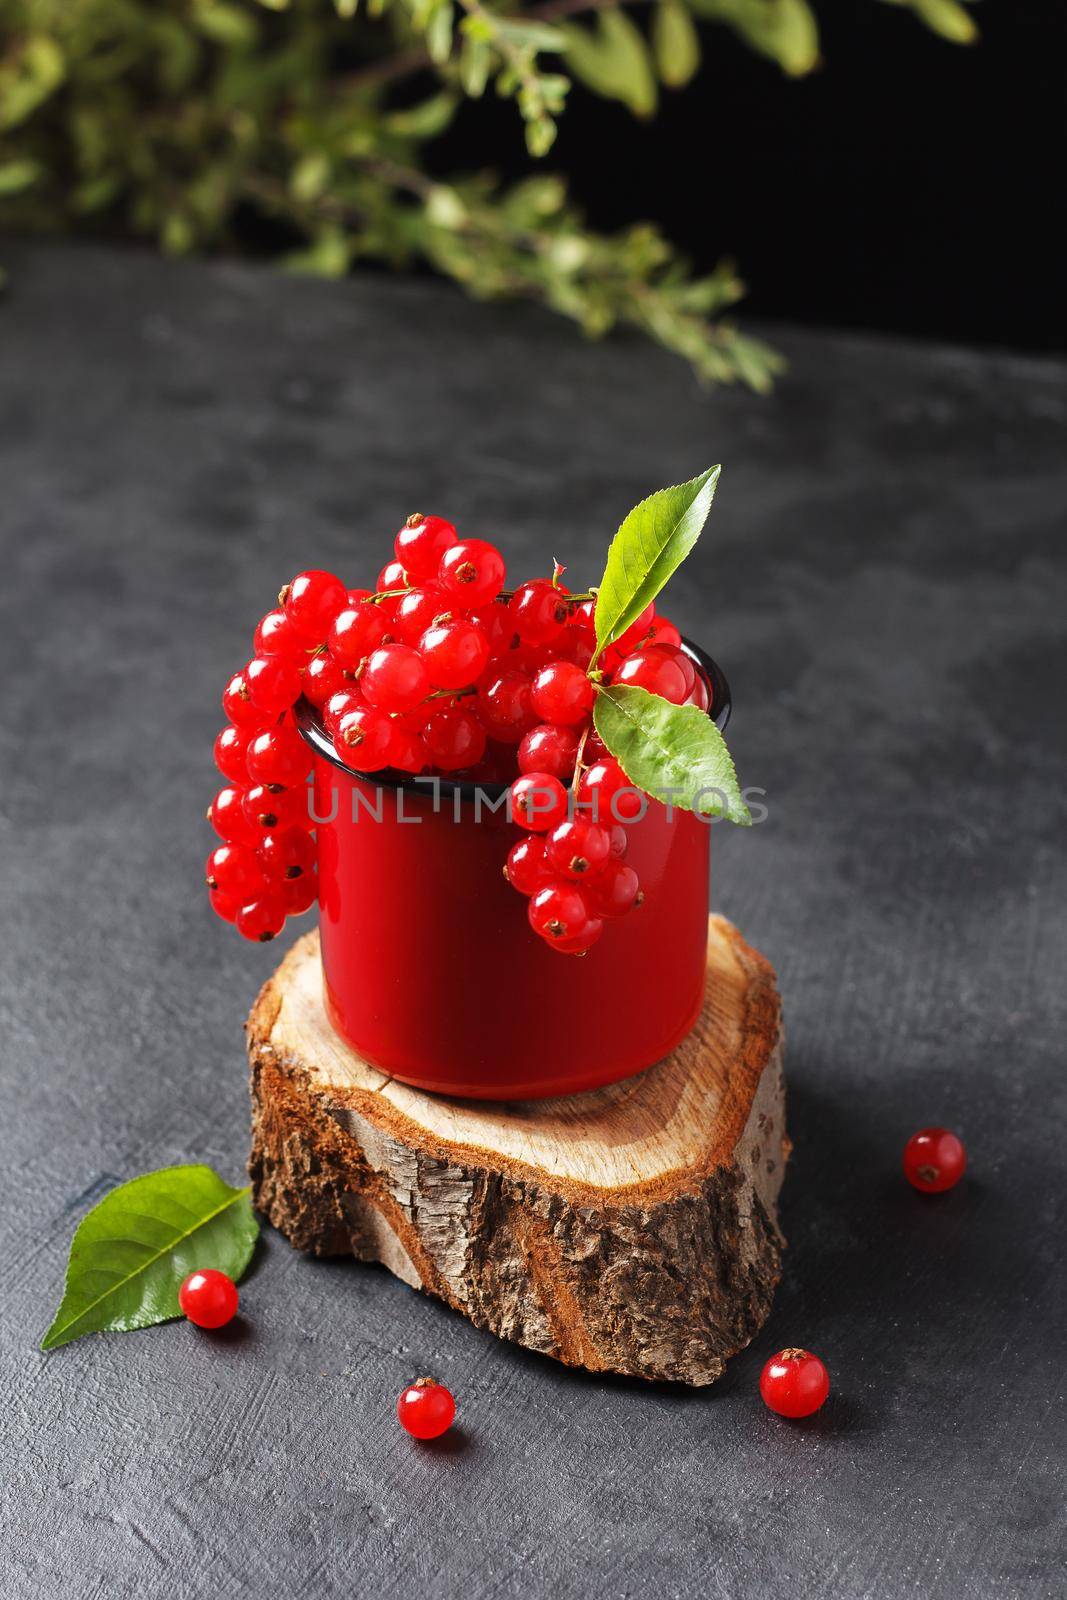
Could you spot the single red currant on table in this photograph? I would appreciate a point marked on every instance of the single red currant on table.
(794, 1383)
(426, 1409)
(934, 1160)
(208, 1298)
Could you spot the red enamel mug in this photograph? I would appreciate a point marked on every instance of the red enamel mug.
(431, 970)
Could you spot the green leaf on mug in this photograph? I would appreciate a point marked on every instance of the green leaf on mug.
(131, 1254)
(651, 544)
(674, 753)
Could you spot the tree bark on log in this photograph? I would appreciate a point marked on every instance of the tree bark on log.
(632, 1229)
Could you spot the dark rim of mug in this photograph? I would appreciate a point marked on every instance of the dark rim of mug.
(309, 721)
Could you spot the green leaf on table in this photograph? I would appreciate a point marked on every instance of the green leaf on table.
(676, 43)
(651, 544)
(131, 1254)
(674, 753)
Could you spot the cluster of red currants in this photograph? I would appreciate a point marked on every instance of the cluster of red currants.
(439, 670)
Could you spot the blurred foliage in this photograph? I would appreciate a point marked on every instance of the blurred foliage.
(187, 120)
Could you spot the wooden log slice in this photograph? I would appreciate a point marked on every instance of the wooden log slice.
(632, 1229)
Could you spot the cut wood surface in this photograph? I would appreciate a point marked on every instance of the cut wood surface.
(631, 1229)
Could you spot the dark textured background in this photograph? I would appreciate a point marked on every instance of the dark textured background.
(883, 580)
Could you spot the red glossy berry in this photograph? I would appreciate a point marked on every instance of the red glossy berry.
(620, 841)
(662, 631)
(231, 748)
(495, 622)
(421, 543)
(394, 678)
(608, 792)
(234, 870)
(347, 699)
(311, 602)
(506, 707)
(364, 739)
(392, 576)
(472, 572)
(355, 632)
(227, 816)
(268, 810)
(934, 1160)
(560, 914)
(575, 646)
(562, 693)
(538, 801)
(322, 677)
(406, 753)
(263, 918)
(453, 739)
(239, 706)
(578, 847)
(794, 1383)
(456, 653)
(637, 632)
(208, 1298)
(660, 670)
(416, 610)
(223, 905)
(300, 894)
(595, 748)
(273, 682)
(278, 755)
(538, 611)
(527, 868)
(276, 636)
(614, 891)
(425, 1409)
(287, 853)
(549, 749)
(583, 618)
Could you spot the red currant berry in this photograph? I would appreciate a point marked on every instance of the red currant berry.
(583, 618)
(239, 706)
(416, 610)
(636, 633)
(662, 631)
(472, 572)
(364, 739)
(300, 894)
(234, 870)
(562, 693)
(794, 1383)
(699, 695)
(355, 632)
(574, 646)
(276, 636)
(537, 801)
(278, 755)
(406, 753)
(226, 815)
(527, 869)
(208, 1298)
(426, 1409)
(506, 708)
(231, 748)
(595, 748)
(267, 810)
(934, 1160)
(394, 678)
(578, 848)
(263, 918)
(659, 670)
(495, 622)
(538, 611)
(456, 652)
(322, 678)
(311, 602)
(453, 739)
(273, 682)
(287, 853)
(223, 905)
(608, 792)
(549, 749)
(559, 913)
(614, 891)
(392, 576)
(344, 700)
(620, 841)
(421, 543)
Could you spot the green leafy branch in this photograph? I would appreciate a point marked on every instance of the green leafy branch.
(184, 120)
